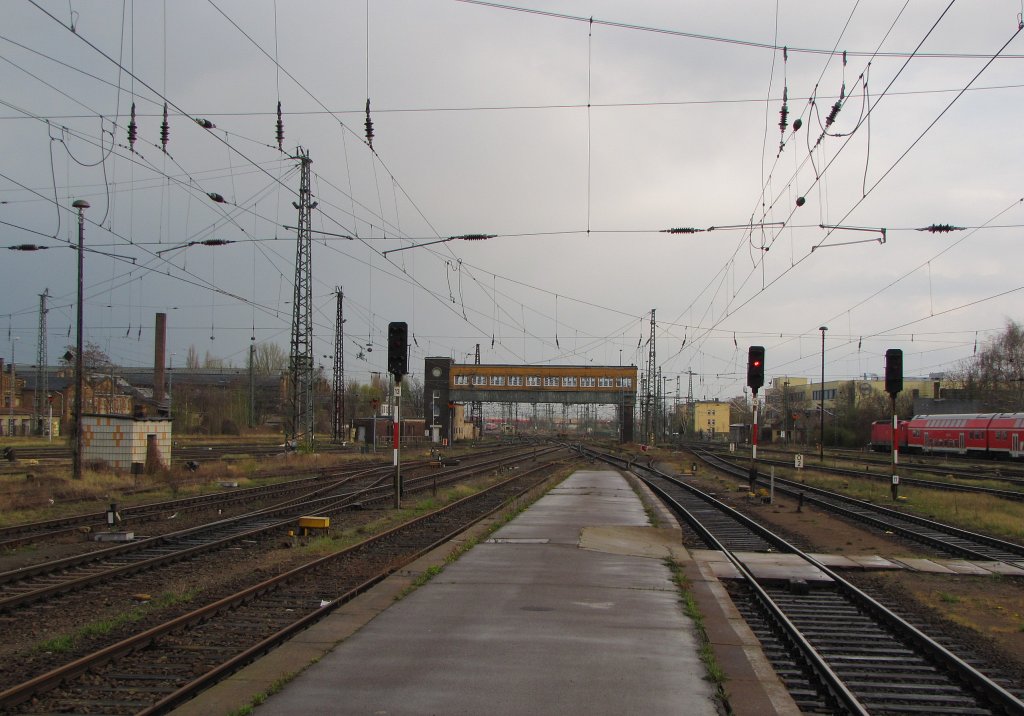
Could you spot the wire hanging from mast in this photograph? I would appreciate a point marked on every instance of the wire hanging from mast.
(784, 111)
(279, 129)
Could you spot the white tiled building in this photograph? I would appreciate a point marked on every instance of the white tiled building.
(120, 440)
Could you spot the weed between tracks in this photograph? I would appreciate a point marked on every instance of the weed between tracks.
(66, 642)
(714, 672)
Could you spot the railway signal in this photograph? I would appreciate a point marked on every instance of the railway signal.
(893, 372)
(755, 379)
(398, 365)
(755, 367)
(398, 349)
(893, 385)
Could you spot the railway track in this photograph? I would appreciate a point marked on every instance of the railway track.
(153, 671)
(947, 539)
(951, 465)
(49, 580)
(17, 535)
(885, 473)
(836, 648)
(26, 533)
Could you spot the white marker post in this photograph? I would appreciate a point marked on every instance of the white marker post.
(398, 443)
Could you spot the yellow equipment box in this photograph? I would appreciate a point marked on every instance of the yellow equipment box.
(315, 523)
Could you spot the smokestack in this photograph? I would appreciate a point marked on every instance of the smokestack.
(159, 346)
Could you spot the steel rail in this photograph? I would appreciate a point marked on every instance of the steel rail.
(54, 678)
(381, 489)
(1016, 495)
(988, 688)
(795, 488)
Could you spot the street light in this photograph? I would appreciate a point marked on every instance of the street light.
(14, 381)
(821, 415)
(76, 468)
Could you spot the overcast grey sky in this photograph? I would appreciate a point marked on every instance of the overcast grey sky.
(574, 142)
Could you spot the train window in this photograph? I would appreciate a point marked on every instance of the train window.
(533, 380)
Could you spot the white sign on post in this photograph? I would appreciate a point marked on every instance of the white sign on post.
(798, 461)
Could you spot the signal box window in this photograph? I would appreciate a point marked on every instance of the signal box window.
(479, 380)
(587, 382)
(568, 381)
(533, 380)
(497, 380)
(515, 380)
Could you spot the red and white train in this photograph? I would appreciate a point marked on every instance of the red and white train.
(998, 435)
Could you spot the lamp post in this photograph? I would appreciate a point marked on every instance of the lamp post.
(785, 411)
(14, 382)
(821, 413)
(76, 468)
(170, 385)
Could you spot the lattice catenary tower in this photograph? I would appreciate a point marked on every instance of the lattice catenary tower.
(301, 356)
(651, 376)
(42, 386)
(338, 386)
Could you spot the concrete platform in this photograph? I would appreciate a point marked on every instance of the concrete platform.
(569, 608)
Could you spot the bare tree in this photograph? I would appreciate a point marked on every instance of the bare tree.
(995, 376)
(269, 358)
(93, 357)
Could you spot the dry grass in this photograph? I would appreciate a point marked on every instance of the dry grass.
(971, 511)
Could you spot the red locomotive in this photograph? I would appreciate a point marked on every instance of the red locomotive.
(980, 434)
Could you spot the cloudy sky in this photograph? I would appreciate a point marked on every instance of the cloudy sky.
(574, 132)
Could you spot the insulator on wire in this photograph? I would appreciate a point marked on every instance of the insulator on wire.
(280, 129)
(784, 112)
(133, 130)
(369, 125)
(941, 228)
(205, 123)
(832, 114)
(165, 131)
(474, 237)
(216, 197)
(681, 230)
